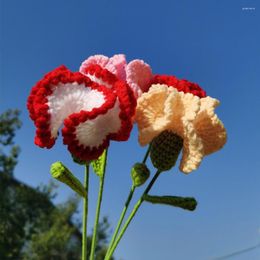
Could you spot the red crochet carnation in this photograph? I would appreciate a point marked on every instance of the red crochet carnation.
(180, 84)
(93, 110)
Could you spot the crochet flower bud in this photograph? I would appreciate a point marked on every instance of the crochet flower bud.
(60, 172)
(165, 149)
(139, 173)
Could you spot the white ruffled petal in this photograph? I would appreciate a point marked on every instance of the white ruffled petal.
(71, 98)
(93, 132)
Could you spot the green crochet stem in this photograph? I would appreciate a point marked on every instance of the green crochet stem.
(147, 154)
(122, 216)
(131, 216)
(128, 200)
(99, 201)
(85, 215)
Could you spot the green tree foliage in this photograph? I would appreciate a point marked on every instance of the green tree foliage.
(9, 123)
(10, 230)
(54, 235)
(31, 226)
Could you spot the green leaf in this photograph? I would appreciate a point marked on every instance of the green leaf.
(99, 164)
(187, 203)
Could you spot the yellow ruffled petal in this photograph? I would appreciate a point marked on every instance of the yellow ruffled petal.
(181, 112)
(150, 114)
(208, 126)
(180, 109)
(192, 153)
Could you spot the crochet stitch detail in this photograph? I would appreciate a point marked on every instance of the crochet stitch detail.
(165, 149)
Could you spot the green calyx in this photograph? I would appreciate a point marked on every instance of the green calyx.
(60, 172)
(165, 149)
(139, 173)
(100, 164)
(79, 161)
(187, 203)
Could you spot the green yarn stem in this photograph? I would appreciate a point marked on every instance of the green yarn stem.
(128, 200)
(122, 216)
(85, 215)
(99, 201)
(131, 216)
(147, 154)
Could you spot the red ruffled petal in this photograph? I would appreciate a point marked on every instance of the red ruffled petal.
(181, 85)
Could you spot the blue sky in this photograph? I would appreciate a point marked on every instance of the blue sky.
(214, 43)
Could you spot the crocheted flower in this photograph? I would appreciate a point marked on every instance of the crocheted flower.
(164, 108)
(92, 114)
(137, 73)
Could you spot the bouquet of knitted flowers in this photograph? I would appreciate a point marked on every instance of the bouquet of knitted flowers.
(100, 103)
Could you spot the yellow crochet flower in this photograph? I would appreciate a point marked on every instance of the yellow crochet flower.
(163, 108)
